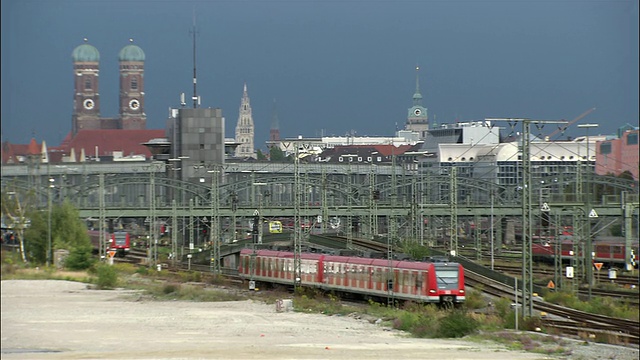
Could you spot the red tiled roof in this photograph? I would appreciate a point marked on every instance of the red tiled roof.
(10, 151)
(107, 141)
(33, 147)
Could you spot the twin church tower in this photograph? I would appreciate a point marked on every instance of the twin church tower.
(86, 103)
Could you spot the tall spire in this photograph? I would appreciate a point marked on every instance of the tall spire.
(417, 97)
(274, 132)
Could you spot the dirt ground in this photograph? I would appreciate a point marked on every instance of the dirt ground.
(66, 320)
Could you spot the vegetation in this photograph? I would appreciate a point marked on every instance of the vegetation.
(40, 232)
(597, 305)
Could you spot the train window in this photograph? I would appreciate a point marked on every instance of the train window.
(447, 278)
(418, 280)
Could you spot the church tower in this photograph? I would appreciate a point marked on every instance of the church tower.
(86, 99)
(244, 128)
(132, 116)
(417, 119)
(274, 131)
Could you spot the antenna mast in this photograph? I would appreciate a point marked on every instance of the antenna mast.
(193, 32)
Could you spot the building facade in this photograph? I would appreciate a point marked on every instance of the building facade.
(616, 156)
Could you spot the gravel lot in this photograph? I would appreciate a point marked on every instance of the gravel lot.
(65, 320)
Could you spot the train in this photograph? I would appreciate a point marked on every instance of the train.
(118, 241)
(424, 282)
(611, 251)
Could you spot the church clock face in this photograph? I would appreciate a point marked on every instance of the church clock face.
(134, 104)
(417, 112)
(88, 104)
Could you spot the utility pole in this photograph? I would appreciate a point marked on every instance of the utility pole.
(101, 218)
(174, 233)
(526, 187)
(215, 220)
(297, 233)
(453, 209)
(588, 210)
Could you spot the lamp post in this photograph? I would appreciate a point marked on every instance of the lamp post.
(590, 190)
(49, 244)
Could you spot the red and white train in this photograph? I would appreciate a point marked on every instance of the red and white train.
(118, 241)
(427, 282)
(610, 251)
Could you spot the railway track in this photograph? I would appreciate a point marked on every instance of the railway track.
(574, 322)
(563, 320)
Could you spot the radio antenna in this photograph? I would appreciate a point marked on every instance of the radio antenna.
(193, 32)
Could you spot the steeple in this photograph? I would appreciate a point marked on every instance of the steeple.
(417, 117)
(244, 128)
(274, 132)
(417, 97)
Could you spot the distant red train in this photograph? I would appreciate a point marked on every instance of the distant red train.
(607, 250)
(118, 241)
(427, 282)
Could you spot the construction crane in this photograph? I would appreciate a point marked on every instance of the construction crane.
(566, 126)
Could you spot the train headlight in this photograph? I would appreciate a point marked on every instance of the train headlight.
(461, 291)
(432, 291)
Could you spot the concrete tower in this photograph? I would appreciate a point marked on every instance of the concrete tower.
(417, 119)
(132, 116)
(86, 99)
(244, 128)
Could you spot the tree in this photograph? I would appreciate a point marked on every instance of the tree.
(16, 205)
(275, 154)
(261, 155)
(67, 232)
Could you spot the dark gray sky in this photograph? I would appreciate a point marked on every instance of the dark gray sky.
(332, 66)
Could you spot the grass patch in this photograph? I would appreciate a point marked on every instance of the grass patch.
(597, 305)
(539, 344)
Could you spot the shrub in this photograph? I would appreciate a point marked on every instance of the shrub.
(170, 288)
(107, 277)
(457, 323)
(80, 258)
(474, 299)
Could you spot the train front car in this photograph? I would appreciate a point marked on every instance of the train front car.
(120, 242)
(447, 283)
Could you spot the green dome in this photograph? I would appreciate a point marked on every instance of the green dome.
(85, 52)
(131, 53)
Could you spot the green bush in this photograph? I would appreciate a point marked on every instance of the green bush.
(80, 258)
(107, 277)
(457, 323)
(474, 299)
(170, 288)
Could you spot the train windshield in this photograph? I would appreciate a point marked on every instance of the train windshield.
(447, 278)
(120, 238)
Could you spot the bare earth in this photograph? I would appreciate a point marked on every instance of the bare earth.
(65, 320)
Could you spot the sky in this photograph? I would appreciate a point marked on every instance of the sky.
(330, 67)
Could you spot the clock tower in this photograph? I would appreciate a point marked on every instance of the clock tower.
(86, 99)
(132, 116)
(417, 118)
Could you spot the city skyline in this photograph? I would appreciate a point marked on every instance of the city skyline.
(332, 67)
